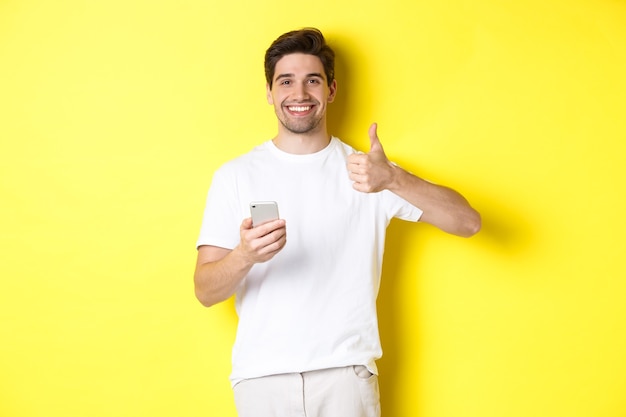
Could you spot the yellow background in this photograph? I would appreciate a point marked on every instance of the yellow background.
(114, 114)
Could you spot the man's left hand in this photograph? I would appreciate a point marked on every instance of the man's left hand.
(371, 172)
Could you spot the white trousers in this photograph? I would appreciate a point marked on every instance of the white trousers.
(338, 392)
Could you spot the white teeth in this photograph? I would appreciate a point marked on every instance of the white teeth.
(299, 108)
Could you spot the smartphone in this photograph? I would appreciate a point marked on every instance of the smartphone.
(263, 211)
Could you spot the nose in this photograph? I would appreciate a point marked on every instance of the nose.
(301, 92)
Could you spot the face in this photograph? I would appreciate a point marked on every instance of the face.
(300, 93)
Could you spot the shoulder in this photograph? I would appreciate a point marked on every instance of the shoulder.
(342, 147)
(243, 161)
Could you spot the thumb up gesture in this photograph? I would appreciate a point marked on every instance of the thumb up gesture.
(371, 172)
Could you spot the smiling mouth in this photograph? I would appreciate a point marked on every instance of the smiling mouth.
(299, 109)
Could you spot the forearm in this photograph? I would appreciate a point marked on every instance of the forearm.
(217, 280)
(442, 206)
(219, 271)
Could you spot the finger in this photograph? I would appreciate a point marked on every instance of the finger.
(272, 241)
(357, 158)
(246, 224)
(357, 172)
(355, 165)
(273, 248)
(360, 187)
(270, 226)
(375, 145)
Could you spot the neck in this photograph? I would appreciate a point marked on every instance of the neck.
(301, 143)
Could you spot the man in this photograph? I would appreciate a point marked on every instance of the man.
(307, 338)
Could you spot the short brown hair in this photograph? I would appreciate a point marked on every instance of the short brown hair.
(307, 41)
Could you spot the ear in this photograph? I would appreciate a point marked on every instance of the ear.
(270, 100)
(333, 91)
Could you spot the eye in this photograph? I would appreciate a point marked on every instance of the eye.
(314, 81)
(285, 82)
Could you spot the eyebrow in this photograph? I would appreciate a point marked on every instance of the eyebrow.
(313, 74)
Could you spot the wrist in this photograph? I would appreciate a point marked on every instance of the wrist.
(395, 174)
(243, 259)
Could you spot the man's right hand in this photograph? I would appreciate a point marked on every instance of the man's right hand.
(219, 270)
(261, 243)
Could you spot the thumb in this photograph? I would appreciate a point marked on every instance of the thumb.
(246, 224)
(375, 144)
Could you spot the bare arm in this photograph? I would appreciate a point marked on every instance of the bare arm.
(442, 207)
(219, 271)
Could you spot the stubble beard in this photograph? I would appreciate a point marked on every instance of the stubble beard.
(303, 126)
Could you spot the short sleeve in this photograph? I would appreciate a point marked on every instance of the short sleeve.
(222, 215)
(400, 208)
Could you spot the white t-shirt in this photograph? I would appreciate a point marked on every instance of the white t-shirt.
(313, 306)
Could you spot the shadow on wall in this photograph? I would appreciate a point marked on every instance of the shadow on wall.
(502, 228)
(506, 233)
(399, 233)
(505, 230)
(341, 112)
